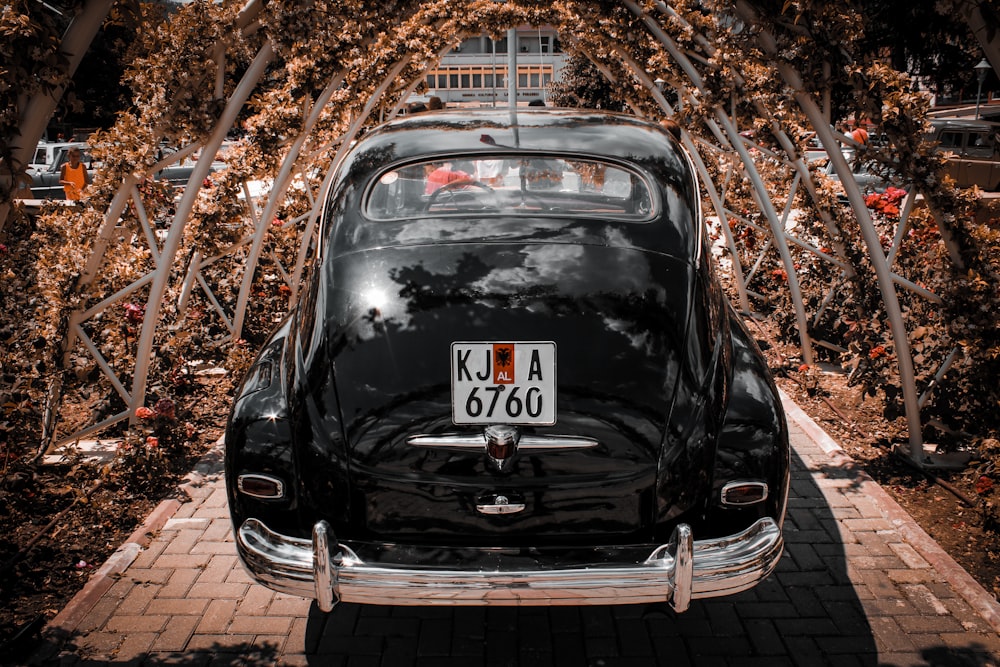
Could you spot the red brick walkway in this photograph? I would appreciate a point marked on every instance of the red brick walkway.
(860, 584)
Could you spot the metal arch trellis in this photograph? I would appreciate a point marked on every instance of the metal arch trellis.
(721, 142)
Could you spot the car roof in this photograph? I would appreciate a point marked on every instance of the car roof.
(963, 124)
(598, 133)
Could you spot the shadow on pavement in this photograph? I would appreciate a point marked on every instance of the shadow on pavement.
(807, 613)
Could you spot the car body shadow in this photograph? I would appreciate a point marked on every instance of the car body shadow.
(806, 612)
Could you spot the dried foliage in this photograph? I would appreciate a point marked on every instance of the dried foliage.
(333, 61)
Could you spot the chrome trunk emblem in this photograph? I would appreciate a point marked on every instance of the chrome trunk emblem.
(501, 443)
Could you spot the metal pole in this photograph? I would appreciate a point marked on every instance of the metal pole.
(982, 67)
(493, 46)
(512, 68)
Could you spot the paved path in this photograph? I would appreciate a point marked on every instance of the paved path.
(860, 584)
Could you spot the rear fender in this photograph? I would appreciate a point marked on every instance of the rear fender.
(753, 441)
(689, 448)
(259, 437)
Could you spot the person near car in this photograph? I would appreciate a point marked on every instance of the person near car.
(73, 175)
(443, 174)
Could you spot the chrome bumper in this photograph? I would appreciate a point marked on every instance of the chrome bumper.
(676, 572)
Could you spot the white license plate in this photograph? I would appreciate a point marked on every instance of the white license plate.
(503, 383)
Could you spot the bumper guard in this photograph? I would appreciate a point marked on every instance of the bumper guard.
(676, 572)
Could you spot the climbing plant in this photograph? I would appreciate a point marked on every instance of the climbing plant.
(335, 68)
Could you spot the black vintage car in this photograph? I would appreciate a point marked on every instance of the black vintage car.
(513, 378)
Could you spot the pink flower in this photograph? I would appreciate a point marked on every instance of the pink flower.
(144, 413)
(152, 441)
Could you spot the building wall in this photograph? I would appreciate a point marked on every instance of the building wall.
(475, 72)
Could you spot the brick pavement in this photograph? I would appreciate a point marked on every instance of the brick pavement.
(859, 584)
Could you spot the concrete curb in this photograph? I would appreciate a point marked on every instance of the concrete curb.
(968, 588)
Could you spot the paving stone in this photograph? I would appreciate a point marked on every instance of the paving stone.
(138, 598)
(910, 557)
(217, 617)
(179, 583)
(135, 646)
(259, 625)
(851, 590)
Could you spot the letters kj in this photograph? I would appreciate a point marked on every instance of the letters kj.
(495, 364)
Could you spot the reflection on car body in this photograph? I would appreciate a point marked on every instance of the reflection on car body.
(510, 394)
(569, 186)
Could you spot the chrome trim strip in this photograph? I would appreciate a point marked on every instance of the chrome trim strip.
(500, 505)
(720, 566)
(464, 441)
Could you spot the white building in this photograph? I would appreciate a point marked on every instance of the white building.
(475, 72)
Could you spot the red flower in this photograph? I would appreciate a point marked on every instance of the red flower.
(803, 368)
(144, 413)
(134, 312)
(152, 441)
(984, 484)
(877, 351)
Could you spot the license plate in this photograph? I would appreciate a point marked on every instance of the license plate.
(503, 383)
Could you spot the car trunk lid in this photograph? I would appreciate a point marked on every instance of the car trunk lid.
(615, 320)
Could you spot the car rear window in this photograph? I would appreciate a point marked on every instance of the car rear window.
(529, 185)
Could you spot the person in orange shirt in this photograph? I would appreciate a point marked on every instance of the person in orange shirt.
(73, 175)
